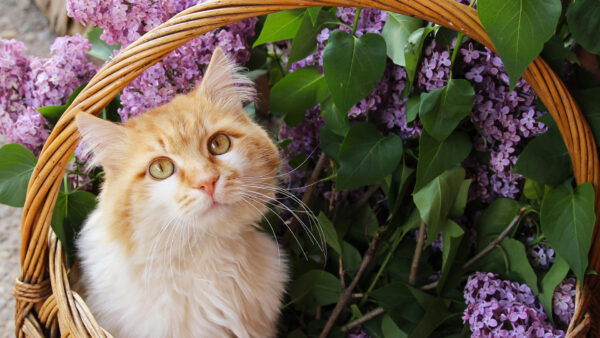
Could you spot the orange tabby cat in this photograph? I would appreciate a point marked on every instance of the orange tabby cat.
(172, 249)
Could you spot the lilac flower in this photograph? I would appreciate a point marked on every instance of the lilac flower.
(28, 83)
(505, 119)
(435, 68)
(358, 332)
(504, 309)
(541, 256)
(469, 54)
(563, 302)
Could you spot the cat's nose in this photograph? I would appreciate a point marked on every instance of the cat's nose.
(208, 185)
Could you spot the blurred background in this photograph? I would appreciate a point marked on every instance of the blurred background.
(36, 23)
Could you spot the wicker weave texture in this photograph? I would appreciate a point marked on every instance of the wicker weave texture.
(41, 256)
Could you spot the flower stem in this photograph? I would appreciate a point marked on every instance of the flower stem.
(396, 238)
(457, 46)
(356, 20)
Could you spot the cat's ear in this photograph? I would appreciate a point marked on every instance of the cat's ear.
(106, 140)
(222, 82)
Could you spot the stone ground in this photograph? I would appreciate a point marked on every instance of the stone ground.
(21, 20)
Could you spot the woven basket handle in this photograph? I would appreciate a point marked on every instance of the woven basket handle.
(156, 44)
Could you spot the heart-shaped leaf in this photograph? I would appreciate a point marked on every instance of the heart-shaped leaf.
(519, 29)
(442, 109)
(352, 66)
(396, 31)
(366, 156)
(16, 166)
(297, 92)
(567, 219)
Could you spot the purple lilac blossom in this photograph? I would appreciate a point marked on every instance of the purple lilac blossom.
(503, 308)
(179, 71)
(541, 256)
(28, 83)
(563, 302)
(123, 22)
(504, 118)
(435, 67)
(358, 332)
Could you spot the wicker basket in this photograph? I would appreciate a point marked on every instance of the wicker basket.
(45, 304)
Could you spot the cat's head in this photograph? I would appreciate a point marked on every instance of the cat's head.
(198, 159)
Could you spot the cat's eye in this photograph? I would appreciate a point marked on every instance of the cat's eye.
(219, 144)
(161, 168)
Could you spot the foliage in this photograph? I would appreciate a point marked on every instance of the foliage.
(430, 148)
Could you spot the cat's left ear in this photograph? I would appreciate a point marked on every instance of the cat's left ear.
(223, 84)
(106, 140)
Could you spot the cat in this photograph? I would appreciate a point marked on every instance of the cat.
(173, 248)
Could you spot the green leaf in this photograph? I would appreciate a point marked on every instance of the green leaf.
(567, 219)
(330, 142)
(315, 288)
(396, 186)
(280, 26)
(412, 53)
(435, 157)
(458, 208)
(435, 315)
(70, 211)
(353, 66)
(413, 104)
(351, 257)
(495, 219)
(297, 92)
(434, 201)
(314, 12)
(305, 41)
(583, 17)
(452, 235)
(442, 109)
(558, 271)
(519, 29)
(331, 236)
(533, 190)
(366, 156)
(336, 120)
(396, 31)
(545, 158)
(390, 329)
(520, 269)
(53, 113)
(100, 49)
(16, 166)
(588, 102)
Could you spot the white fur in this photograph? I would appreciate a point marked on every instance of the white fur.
(194, 300)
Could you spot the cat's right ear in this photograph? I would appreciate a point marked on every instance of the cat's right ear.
(106, 140)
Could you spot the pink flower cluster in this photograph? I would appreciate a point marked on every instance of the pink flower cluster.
(28, 83)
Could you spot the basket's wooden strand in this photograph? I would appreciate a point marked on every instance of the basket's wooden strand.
(153, 46)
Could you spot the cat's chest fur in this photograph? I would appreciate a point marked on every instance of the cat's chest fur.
(217, 287)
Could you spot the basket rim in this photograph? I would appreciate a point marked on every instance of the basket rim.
(46, 178)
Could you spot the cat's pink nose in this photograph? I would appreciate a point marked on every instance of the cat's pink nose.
(208, 186)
